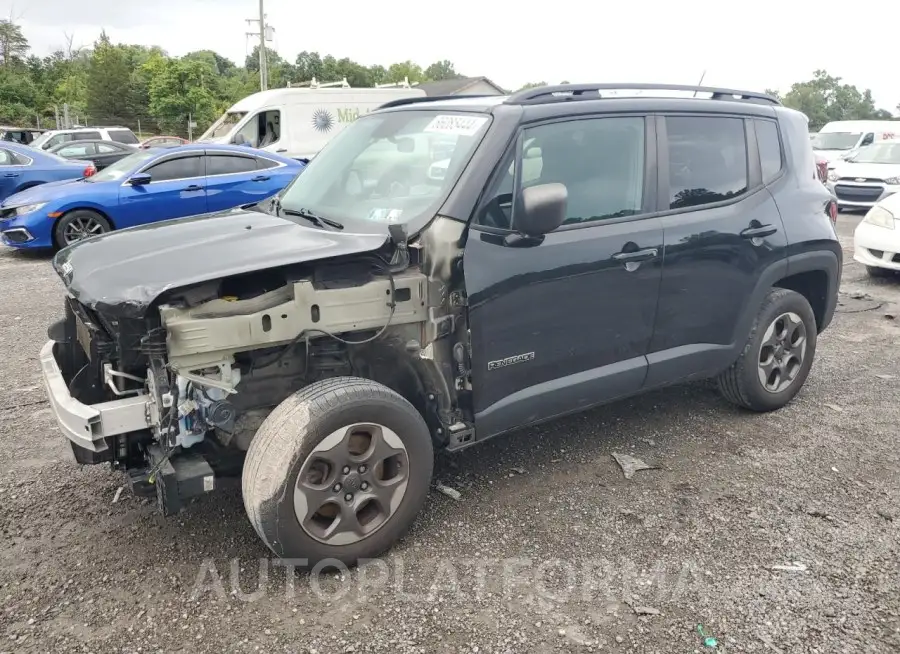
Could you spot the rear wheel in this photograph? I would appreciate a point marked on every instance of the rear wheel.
(338, 470)
(78, 225)
(777, 357)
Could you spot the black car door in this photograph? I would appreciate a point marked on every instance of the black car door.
(564, 322)
(723, 237)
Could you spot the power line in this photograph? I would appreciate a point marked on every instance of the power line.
(265, 33)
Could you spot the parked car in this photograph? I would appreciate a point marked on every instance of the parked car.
(22, 168)
(23, 135)
(145, 187)
(54, 137)
(100, 153)
(870, 175)
(840, 139)
(876, 241)
(370, 314)
(163, 142)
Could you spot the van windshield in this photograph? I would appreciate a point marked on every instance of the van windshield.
(387, 167)
(835, 140)
(223, 126)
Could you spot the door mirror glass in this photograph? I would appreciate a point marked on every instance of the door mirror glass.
(542, 209)
(139, 179)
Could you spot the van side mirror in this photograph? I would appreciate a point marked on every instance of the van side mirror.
(139, 179)
(542, 209)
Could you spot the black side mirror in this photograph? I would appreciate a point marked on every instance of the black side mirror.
(542, 209)
(139, 180)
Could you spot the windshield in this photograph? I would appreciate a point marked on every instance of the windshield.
(835, 140)
(223, 126)
(122, 167)
(388, 167)
(879, 153)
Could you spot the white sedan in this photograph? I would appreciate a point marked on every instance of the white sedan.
(876, 241)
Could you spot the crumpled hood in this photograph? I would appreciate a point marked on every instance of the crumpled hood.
(122, 273)
(44, 192)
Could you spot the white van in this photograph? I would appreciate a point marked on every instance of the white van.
(298, 122)
(842, 138)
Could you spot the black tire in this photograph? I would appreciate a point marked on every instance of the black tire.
(59, 230)
(740, 384)
(875, 271)
(288, 436)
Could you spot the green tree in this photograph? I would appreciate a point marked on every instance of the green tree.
(405, 70)
(825, 98)
(308, 65)
(179, 88)
(13, 44)
(441, 70)
(532, 85)
(109, 83)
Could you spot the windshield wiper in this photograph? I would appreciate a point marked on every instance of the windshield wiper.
(311, 216)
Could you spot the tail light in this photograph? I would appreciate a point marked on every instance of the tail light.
(832, 211)
(90, 170)
(822, 170)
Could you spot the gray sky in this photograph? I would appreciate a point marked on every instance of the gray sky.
(766, 43)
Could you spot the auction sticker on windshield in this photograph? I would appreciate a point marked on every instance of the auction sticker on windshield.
(459, 125)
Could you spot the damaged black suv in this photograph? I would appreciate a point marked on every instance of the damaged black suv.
(445, 271)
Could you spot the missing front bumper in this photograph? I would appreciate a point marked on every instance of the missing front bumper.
(87, 425)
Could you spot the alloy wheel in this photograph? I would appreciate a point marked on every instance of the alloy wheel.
(782, 352)
(351, 484)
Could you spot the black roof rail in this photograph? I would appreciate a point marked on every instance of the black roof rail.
(563, 92)
(430, 98)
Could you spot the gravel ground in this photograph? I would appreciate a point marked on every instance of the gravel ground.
(549, 548)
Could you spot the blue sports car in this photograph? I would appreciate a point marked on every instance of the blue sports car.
(147, 186)
(22, 167)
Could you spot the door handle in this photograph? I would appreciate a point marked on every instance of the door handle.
(193, 187)
(636, 256)
(11, 175)
(281, 150)
(260, 178)
(759, 232)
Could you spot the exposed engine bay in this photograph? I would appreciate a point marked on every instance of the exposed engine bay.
(212, 360)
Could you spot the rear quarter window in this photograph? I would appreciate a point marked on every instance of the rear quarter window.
(770, 154)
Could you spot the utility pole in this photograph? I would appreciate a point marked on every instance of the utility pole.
(264, 34)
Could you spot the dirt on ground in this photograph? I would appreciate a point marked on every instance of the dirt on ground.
(750, 533)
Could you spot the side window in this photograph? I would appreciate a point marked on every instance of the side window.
(183, 168)
(227, 165)
(123, 136)
(56, 140)
(868, 139)
(7, 158)
(103, 148)
(262, 163)
(270, 126)
(86, 136)
(261, 130)
(76, 150)
(599, 160)
(707, 160)
(769, 149)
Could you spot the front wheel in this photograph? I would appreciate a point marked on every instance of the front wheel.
(777, 356)
(78, 225)
(338, 470)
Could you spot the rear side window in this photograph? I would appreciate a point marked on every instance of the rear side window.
(103, 148)
(769, 149)
(86, 136)
(183, 168)
(123, 136)
(227, 165)
(262, 163)
(7, 158)
(707, 160)
(76, 150)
